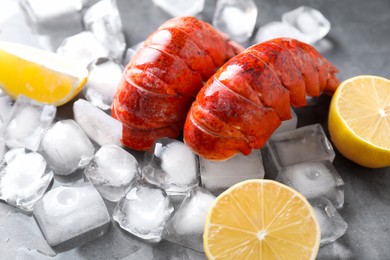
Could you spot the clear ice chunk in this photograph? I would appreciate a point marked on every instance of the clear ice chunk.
(180, 7)
(144, 211)
(27, 122)
(276, 29)
(315, 179)
(186, 226)
(66, 147)
(305, 144)
(103, 20)
(2, 148)
(236, 18)
(130, 52)
(83, 48)
(219, 176)
(335, 250)
(332, 225)
(103, 80)
(288, 125)
(24, 177)
(69, 216)
(47, 16)
(99, 126)
(310, 22)
(5, 107)
(111, 171)
(171, 165)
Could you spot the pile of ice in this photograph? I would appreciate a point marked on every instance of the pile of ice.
(167, 194)
(302, 159)
(303, 23)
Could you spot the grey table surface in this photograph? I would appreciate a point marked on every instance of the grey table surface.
(359, 44)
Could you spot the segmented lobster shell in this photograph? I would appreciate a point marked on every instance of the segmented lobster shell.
(162, 79)
(245, 101)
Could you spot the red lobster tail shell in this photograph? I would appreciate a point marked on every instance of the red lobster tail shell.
(245, 101)
(163, 78)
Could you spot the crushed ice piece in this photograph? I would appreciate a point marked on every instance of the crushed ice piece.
(103, 20)
(181, 7)
(2, 148)
(171, 165)
(47, 16)
(103, 80)
(276, 29)
(27, 122)
(332, 225)
(24, 177)
(70, 215)
(335, 250)
(186, 226)
(288, 125)
(219, 176)
(99, 126)
(66, 147)
(305, 144)
(144, 211)
(315, 179)
(5, 107)
(83, 48)
(236, 18)
(111, 171)
(310, 22)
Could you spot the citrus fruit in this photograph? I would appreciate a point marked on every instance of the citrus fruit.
(261, 219)
(40, 75)
(359, 120)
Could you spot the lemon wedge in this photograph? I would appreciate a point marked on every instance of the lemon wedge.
(40, 75)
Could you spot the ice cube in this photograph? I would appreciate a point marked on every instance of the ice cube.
(236, 18)
(47, 16)
(181, 7)
(24, 177)
(187, 224)
(288, 125)
(219, 176)
(2, 148)
(99, 126)
(305, 144)
(277, 29)
(332, 225)
(103, 80)
(315, 179)
(171, 165)
(5, 107)
(83, 48)
(27, 122)
(66, 147)
(310, 22)
(130, 52)
(335, 250)
(69, 216)
(144, 211)
(103, 20)
(111, 171)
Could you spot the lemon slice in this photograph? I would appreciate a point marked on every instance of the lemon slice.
(359, 120)
(261, 219)
(40, 75)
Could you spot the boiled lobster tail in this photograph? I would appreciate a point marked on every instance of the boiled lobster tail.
(245, 101)
(162, 79)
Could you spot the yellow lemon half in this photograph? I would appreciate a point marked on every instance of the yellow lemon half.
(40, 75)
(261, 219)
(359, 120)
